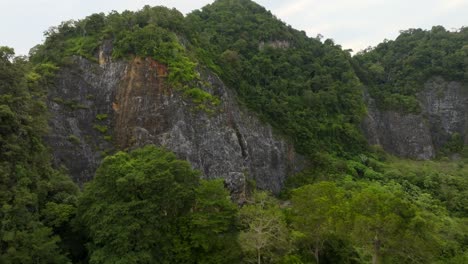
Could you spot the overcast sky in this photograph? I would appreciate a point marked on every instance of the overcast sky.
(354, 24)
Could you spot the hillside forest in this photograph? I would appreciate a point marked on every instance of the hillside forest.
(352, 203)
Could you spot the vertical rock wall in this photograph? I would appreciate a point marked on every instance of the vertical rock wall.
(444, 107)
(126, 105)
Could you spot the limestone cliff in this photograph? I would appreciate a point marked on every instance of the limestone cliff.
(99, 108)
(444, 107)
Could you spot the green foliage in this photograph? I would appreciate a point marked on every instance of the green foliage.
(264, 237)
(149, 41)
(308, 90)
(396, 70)
(443, 180)
(101, 117)
(435, 190)
(204, 101)
(350, 206)
(383, 223)
(400, 103)
(214, 232)
(136, 205)
(58, 100)
(380, 220)
(82, 46)
(454, 145)
(151, 32)
(29, 187)
(101, 128)
(318, 212)
(148, 206)
(71, 104)
(74, 139)
(163, 46)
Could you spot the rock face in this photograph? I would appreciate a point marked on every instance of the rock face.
(446, 109)
(276, 44)
(444, 112)
(97, 109)
(81, 116)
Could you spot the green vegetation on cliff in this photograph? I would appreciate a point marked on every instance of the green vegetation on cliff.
(36, 201)
(352, 205)
(155, 32)
(395, 71)
(305, 88)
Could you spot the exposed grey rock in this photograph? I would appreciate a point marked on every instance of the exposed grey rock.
(445, 106)
(142, 109)
(276, 44)
(444, 112)
(82, 92)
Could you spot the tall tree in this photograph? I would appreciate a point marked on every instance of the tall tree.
(318, 212)
(28, 184)
(381, 218)
(265, 237)
(136, 208)
(214, 231)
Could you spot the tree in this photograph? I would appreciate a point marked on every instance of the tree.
(136, 208)
(214, 233)
(317, 212)
(28, 184)
(265, 236)
(395, 71)
(381, 217)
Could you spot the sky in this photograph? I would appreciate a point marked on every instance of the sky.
(354, 24)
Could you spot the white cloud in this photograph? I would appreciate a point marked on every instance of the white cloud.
(292, 8)
(452, 4)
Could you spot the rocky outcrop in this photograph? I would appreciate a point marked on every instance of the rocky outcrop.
(123, 105)
(444, 107)
(275, 44)
(81, 116)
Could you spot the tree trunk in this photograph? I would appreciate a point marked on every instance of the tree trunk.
(317, 251)
(316, 255)
(259, 259)
(376, 253)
